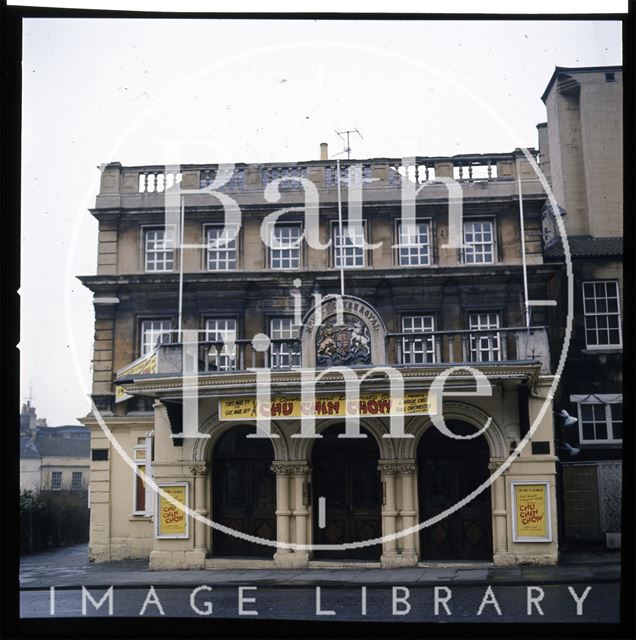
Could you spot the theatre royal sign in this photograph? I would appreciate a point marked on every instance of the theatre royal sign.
(343, 331)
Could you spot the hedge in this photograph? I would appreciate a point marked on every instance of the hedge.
(52, 519)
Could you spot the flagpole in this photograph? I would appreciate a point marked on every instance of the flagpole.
(523, 250)
(181, 235)
(340, 229)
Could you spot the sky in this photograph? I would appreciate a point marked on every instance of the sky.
(156, 91)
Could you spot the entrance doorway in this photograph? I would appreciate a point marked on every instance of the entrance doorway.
(243, 493)
(345, 474)
(448, 470)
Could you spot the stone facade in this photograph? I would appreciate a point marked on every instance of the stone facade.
(582, 167)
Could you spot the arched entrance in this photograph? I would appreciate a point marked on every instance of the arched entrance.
(243, 493)
(448, 470)
(345, 474)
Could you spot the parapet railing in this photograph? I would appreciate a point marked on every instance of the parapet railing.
(376, 172)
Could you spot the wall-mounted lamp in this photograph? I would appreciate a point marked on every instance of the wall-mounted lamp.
(568, 420)
(572, 451)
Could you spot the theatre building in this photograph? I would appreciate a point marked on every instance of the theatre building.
(188, 321)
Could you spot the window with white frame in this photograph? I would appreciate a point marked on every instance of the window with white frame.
(479, 242)
(600, 418)
(56, 480)
(284, 355)
(348, 247)
(414, 245)
(153, 332)
(221, 249)
(159, 249)
(76, 480)
(484, 347)
(222, 330)
(418, 350)
(601, 308)
(142, 493)
(284, 252)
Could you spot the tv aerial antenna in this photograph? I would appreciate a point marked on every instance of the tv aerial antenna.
(347, 148)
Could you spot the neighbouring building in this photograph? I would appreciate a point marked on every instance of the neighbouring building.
(581, 147)
(52, 458)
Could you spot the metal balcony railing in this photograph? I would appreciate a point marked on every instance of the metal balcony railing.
(491, 346)
(467, 346)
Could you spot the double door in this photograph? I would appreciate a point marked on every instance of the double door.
(244, 499)
(448, 472)
(346, 481)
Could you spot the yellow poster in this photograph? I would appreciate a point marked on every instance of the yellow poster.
(147, 364)
(532, 512)
(172, 521)
(328, 406)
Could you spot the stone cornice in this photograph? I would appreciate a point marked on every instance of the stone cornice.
(241, 278)
(120, 421)
(244, 383)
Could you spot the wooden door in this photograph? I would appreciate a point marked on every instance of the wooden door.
(244, 494)
(345, 474)
(448, 471)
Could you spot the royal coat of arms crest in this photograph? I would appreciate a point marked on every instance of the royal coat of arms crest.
(346, 343)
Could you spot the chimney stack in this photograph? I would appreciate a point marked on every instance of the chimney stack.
(324, 153)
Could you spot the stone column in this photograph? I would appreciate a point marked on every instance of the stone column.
(499, 515)
(388, 471)
(283, 510)
(408, 475)
(196, 557)
(300, 472)
(290, 475)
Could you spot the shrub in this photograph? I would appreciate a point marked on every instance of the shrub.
(52, 519)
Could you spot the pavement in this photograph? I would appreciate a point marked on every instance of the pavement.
(69, 567)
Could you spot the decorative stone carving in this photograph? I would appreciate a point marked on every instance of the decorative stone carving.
(342, 344)
(407, 468)
(290, 468)
(343, 330)
(199, 469)
(397, 468)
(493, 465)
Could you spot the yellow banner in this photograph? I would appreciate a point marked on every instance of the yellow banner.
(147, 364)
(172, 520)
(330, 406)
(531, 515)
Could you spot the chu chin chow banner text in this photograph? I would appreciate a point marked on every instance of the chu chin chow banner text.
(334, 405)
